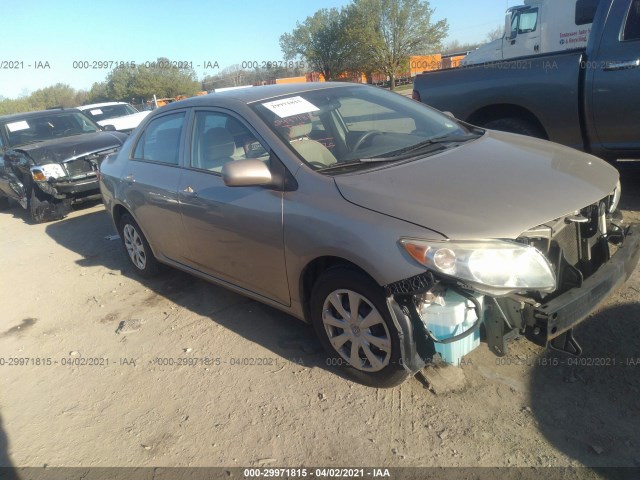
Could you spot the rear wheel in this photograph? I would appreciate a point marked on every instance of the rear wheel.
(137, 247)
(353, 323)
(515, 125)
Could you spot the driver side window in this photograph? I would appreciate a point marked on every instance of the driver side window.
(524, 22)
(219, 138)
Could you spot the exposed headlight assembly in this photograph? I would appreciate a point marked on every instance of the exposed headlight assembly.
(42, 173)
(493, 267)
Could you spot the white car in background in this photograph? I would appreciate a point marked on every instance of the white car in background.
(121, 115)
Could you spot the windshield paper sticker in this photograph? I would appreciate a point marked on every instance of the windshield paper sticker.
(17, 126)
(290, 106)
(97, 111)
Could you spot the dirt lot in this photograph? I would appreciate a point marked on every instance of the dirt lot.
(265, 396)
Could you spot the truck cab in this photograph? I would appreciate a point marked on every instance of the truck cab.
(537, 27)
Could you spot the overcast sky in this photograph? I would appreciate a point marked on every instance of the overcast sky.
(55, 34)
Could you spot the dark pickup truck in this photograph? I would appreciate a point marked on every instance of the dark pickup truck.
(588, 99)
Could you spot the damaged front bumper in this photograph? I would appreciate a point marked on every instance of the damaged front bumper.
(78, 187)
(553, 321)
(547, 324)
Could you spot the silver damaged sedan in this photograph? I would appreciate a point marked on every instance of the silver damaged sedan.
(402, 235)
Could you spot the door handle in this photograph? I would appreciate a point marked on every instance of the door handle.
(613, 66)
(190, 191)
(130, 178)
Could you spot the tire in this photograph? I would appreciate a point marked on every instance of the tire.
(4, 203)
(515, 125)
(137, 247)
(348, 343)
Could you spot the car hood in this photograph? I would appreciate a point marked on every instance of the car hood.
(498, 186)
(61, 149)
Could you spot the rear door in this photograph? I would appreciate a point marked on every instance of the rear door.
(151, 179)
(613, 82)
(232, 233)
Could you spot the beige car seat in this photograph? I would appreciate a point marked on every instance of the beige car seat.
(311, 151)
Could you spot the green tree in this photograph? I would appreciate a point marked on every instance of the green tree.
(58, 95)
(160, 78)
(321, 40)
(401, 28)
(359, 25)
(98, 93)
(18, 105)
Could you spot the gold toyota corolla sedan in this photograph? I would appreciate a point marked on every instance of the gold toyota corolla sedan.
(399, 232)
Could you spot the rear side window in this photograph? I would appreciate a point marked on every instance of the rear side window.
(160, 141)
(586, 11)
(632, 27)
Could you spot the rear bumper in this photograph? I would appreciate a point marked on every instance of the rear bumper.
(569, 309)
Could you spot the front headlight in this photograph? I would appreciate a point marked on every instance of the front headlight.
(42, 173)
(492, 267)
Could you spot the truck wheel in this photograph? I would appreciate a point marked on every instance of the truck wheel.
(4, 203)
(137, 247)
(515, 125)
(353, 323)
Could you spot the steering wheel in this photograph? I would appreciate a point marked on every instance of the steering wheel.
(364, 137)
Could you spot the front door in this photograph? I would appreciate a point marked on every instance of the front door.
(524, 38)
(232, 233)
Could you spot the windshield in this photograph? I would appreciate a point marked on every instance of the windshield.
(356, 126)
(104, 112)
(57, 124)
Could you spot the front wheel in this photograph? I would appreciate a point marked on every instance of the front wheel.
(137, 247)
(352, 321)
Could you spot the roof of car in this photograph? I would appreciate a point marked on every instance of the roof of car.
(38, 113)
(98, 105)
(259, 93)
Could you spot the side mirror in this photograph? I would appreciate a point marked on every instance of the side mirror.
(109, 128)
(246, 173)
